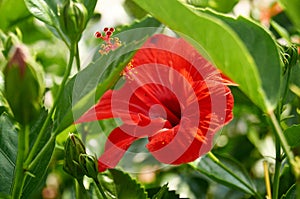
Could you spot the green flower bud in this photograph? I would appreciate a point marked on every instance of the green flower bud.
(24, 85)
(289, 55)
(89, 165)
(73, 149)
(73, 19)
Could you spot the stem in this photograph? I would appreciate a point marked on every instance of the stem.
(217, 161)
(100, 188)
(41, 135)
(277, 168)
(279, 133)
(19, 169)
(77, 57)
(40, 155)
(267, 179)
(278, 160)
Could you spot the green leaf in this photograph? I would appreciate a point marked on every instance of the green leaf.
(164, 193)
(35, 182)
(119, 185)
(224, 46)
(44, 11)
(10, 14)
(85, 88)
(292, 135)
(214, 171)
(41, 10)
(259, 43)
(292, 9)
(290, 194)
(218, 5)
(8, 152)
(90, 6)
(134, 9)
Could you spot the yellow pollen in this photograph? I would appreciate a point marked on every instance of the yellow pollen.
(129, 71)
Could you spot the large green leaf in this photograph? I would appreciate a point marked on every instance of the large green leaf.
(8, 152)
(259, 43)
(85, 88)
(10, 14)
(213, 170)
(119, 185)
(222, 44)
(292, 8)
(292, 135)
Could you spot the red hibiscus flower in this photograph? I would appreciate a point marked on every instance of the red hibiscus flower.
(172, 96)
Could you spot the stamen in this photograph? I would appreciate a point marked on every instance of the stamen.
(110, 43)
(129, 71)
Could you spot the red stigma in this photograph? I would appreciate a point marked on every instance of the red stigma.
(98, 34)
(105, 29)
(111, 29)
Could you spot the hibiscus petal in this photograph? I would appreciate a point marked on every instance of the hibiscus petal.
(178, 146)
(116, 145)
(102, 110)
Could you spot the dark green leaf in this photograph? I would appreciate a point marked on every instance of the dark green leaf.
(32, 184)
(120, 185)
(164, 193)
(292, 135)
(290, 194)
(85, 88)
(8, 152)
(214, 171)
(221, 44)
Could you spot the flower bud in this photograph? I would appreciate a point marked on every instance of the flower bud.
(73, 149)
(289, 56)
(73, 19)
(24, 85)
(89, 165)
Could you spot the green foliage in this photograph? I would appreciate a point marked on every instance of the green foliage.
(292, 9)
(9, 20)
(164, 193)
(38, 170)
(290, 194)
(218, 5)
(119, 185)
(236, 178)
(8, 152)
(293, 135)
